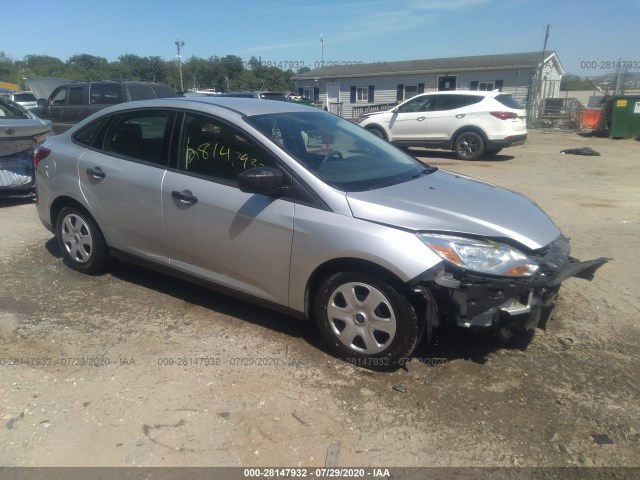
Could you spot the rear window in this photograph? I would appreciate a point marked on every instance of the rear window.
(273, 96)
(24, 97)
(8, 110)
(508, 101)
(163, 91)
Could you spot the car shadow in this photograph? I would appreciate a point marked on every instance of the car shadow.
(212, 300)
(53, 248)
(12, 201)
(426, 155)
(448, 342)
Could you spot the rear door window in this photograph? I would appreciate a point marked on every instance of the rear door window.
(88, 134)
(76, 96)
(452, 102)
(106, 93)
(141, 135)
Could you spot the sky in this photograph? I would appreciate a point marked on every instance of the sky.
(586, 34)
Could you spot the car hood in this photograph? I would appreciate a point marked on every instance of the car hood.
(450, 203)
(42, 87)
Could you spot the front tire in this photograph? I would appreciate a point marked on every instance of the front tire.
(81, 241)
(377, 132)
(366, 321)
(469, 146)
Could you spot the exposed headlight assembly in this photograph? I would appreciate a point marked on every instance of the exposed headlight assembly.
(481, 256)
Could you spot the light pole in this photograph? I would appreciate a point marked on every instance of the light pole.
(179, 45)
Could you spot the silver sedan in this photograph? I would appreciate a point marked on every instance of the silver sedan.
(302, 211)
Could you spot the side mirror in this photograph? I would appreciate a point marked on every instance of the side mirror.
(261, 180)
(42, 102)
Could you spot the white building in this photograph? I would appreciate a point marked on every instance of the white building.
(351, 89)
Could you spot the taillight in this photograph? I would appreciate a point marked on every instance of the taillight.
(40, 154)
(504, 115)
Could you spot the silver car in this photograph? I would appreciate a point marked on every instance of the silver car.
(20, 132)
(305, 212)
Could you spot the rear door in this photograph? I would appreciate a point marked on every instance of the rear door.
(122, 181)
(213, 230)
(449, 114)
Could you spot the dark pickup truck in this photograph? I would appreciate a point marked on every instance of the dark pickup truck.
(70, 102)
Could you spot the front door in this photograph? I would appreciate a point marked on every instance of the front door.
(213, 230)
(448, 82)
(333, 98)
(409, 122)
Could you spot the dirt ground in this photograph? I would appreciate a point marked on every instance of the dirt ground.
(134, 368)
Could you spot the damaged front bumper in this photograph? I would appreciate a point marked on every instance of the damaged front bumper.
(471, 299)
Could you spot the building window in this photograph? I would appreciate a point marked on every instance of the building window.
(410, 91)
(362, 94)
(486, 86)
(307, 93)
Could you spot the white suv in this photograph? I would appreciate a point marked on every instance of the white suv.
(471, 123)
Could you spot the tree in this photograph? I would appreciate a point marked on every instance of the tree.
(574, 82)
(45, 66)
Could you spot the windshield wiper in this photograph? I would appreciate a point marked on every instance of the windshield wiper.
(425, 171)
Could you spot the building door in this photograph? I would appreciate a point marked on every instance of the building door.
(333, 99)
(447, 83)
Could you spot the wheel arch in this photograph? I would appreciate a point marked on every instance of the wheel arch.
(468, 128)
(64, 201)
(352, 265)
(379, 128)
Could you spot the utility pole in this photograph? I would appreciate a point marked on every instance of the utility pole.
(179, 45)
(537, 100)
(544, 54)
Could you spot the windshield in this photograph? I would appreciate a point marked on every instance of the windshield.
(343, 155)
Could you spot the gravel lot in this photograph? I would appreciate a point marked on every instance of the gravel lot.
(134, 368)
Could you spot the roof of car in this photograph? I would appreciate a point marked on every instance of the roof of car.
(243, 106)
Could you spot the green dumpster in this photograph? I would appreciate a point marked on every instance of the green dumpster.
(622, 117)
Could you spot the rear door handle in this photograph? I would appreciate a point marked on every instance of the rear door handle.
(96, 172)
(420, 118)
(184, 196)
(460, 115)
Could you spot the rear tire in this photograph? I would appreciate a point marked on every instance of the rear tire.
(366, 321)
(469, 146)
(81, 241)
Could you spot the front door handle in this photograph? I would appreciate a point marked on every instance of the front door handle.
(420, 118)
(184, 196)
(96, 172)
